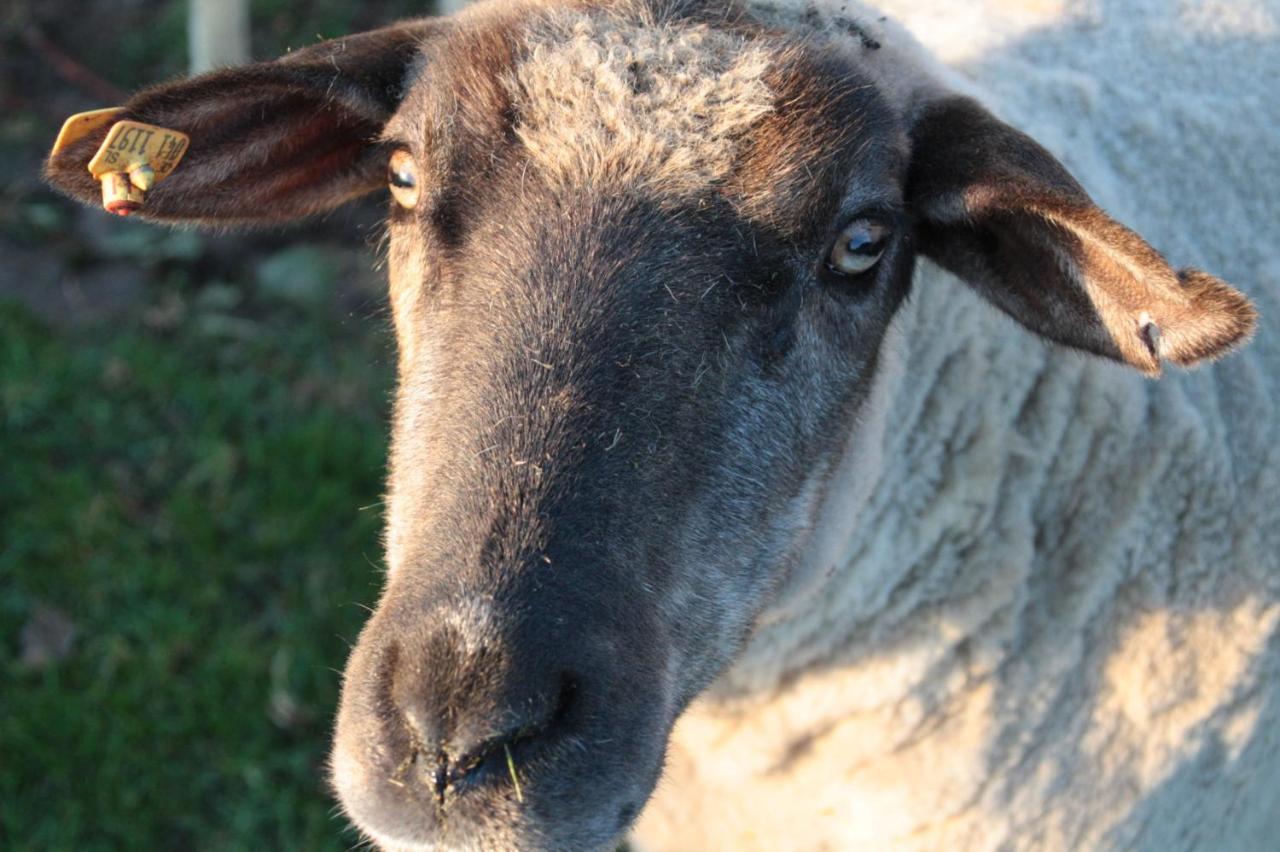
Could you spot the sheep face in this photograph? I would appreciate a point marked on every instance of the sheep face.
(643, 263)
(627, 356)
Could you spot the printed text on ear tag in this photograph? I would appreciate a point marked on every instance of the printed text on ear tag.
(133, 158)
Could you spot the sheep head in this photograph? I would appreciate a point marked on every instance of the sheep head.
(643, 259)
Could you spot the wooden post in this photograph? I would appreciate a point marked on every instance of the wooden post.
(218, 32)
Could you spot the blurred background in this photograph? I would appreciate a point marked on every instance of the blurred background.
(192, 442)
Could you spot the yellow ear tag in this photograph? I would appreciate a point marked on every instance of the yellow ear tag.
(81, 125)
(133, 158)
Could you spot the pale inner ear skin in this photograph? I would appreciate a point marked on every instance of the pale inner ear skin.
(998, 210)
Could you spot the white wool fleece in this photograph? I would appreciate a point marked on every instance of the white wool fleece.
(1042, 610)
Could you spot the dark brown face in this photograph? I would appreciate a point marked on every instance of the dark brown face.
(628, 348)
(642, 275)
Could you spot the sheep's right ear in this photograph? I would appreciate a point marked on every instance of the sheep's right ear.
(998, 210)
(271, 141)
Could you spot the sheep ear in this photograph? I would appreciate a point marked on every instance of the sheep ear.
(996, 209)
(269, 142)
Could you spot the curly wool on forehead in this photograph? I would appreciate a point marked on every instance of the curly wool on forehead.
(658, 106)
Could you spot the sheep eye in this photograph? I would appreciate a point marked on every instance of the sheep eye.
(402, 175)
(859, 247)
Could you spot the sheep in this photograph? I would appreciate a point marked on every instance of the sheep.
(729, 508)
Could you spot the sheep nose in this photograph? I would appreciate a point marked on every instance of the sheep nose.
(468, 714)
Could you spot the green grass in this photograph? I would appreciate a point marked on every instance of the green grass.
(197, 500)
(195, 483)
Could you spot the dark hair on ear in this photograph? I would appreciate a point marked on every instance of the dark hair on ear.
(998, 210)
(271, 141)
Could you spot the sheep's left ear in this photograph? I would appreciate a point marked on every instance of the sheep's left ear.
(271, 141)
(998, 210)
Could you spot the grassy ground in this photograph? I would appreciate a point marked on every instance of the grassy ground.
(192, 504)
(192, 442)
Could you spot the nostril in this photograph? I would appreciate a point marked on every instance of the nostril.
(503, 755)
(566, 698)
(456, 726)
